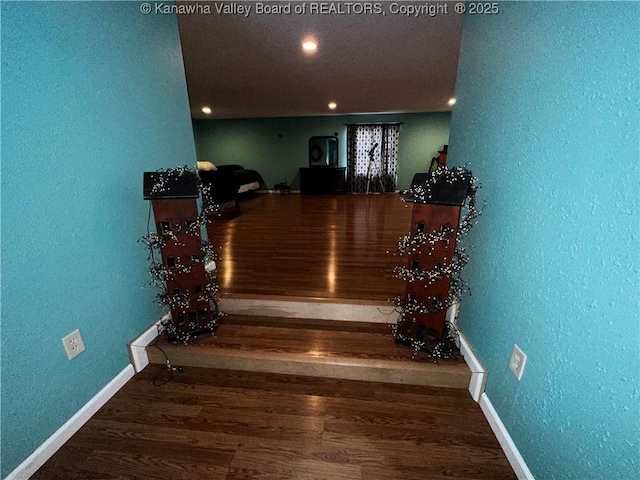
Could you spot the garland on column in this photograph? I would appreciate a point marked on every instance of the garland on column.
(425, 243)
(161, 273)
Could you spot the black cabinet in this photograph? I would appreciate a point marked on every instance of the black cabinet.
(317, 180)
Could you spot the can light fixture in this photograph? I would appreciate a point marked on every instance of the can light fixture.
(452, 101)
(332, 105)
(206, 110)
(309, 45)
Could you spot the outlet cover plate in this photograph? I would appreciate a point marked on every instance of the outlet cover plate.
(73, 344)
(517, 362)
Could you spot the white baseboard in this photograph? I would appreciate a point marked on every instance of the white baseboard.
(476, 389)
(501, 433)
(452, 313)
(138, 347)
(478, 372)
(45, 451)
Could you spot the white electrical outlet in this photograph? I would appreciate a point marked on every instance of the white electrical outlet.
(517, 362)
(73, 344)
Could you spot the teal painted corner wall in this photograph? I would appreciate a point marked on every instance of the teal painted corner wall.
(93, 94)
(548, 119)
(256, 143)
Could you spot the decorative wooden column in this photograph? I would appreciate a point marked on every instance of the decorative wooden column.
(434, 227)
(175, 210)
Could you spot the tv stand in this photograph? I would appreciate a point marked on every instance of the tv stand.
(322, 180)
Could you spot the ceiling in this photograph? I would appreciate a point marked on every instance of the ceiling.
(254, 66)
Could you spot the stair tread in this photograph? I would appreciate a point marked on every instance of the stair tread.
(361, 344)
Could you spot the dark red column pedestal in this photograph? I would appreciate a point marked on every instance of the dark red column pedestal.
(430, 218)
(183, 248)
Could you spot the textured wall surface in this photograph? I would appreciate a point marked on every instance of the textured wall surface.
(548, 119)
(93, 94)
(255, 143)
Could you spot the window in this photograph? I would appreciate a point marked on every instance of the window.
(372, 157)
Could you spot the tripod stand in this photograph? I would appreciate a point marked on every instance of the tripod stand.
(372, 170)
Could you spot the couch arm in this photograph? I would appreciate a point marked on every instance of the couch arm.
(223, 185)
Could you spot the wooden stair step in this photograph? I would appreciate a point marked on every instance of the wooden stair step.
(310, 347)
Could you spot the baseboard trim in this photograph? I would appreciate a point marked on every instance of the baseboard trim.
(138, 347)
(45, 451)
(478, 372)
(500, 431)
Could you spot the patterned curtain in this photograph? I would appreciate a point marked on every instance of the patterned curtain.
(379, 174)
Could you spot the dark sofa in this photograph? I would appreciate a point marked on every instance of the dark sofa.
(227, 182)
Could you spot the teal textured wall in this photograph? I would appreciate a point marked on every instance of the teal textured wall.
(93, 94)
(548, 118)
(255, 143)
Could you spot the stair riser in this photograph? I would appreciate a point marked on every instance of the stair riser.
(383, 313)
(323, 369)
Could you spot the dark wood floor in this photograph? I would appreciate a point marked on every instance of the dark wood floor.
(215, 425)
(232, 425)
(324, 246)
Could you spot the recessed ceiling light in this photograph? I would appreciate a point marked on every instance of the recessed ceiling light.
(309, 45)
(206, 110)
(452, 101)
(332, 105)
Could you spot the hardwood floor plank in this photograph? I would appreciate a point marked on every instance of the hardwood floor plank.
(291, 404)
(260, 463)
(459, 472)
(381, 453)
(217, 445)
(416, 433)
(421, 410)
(64, 464)
(122, 465)
(182, 452)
